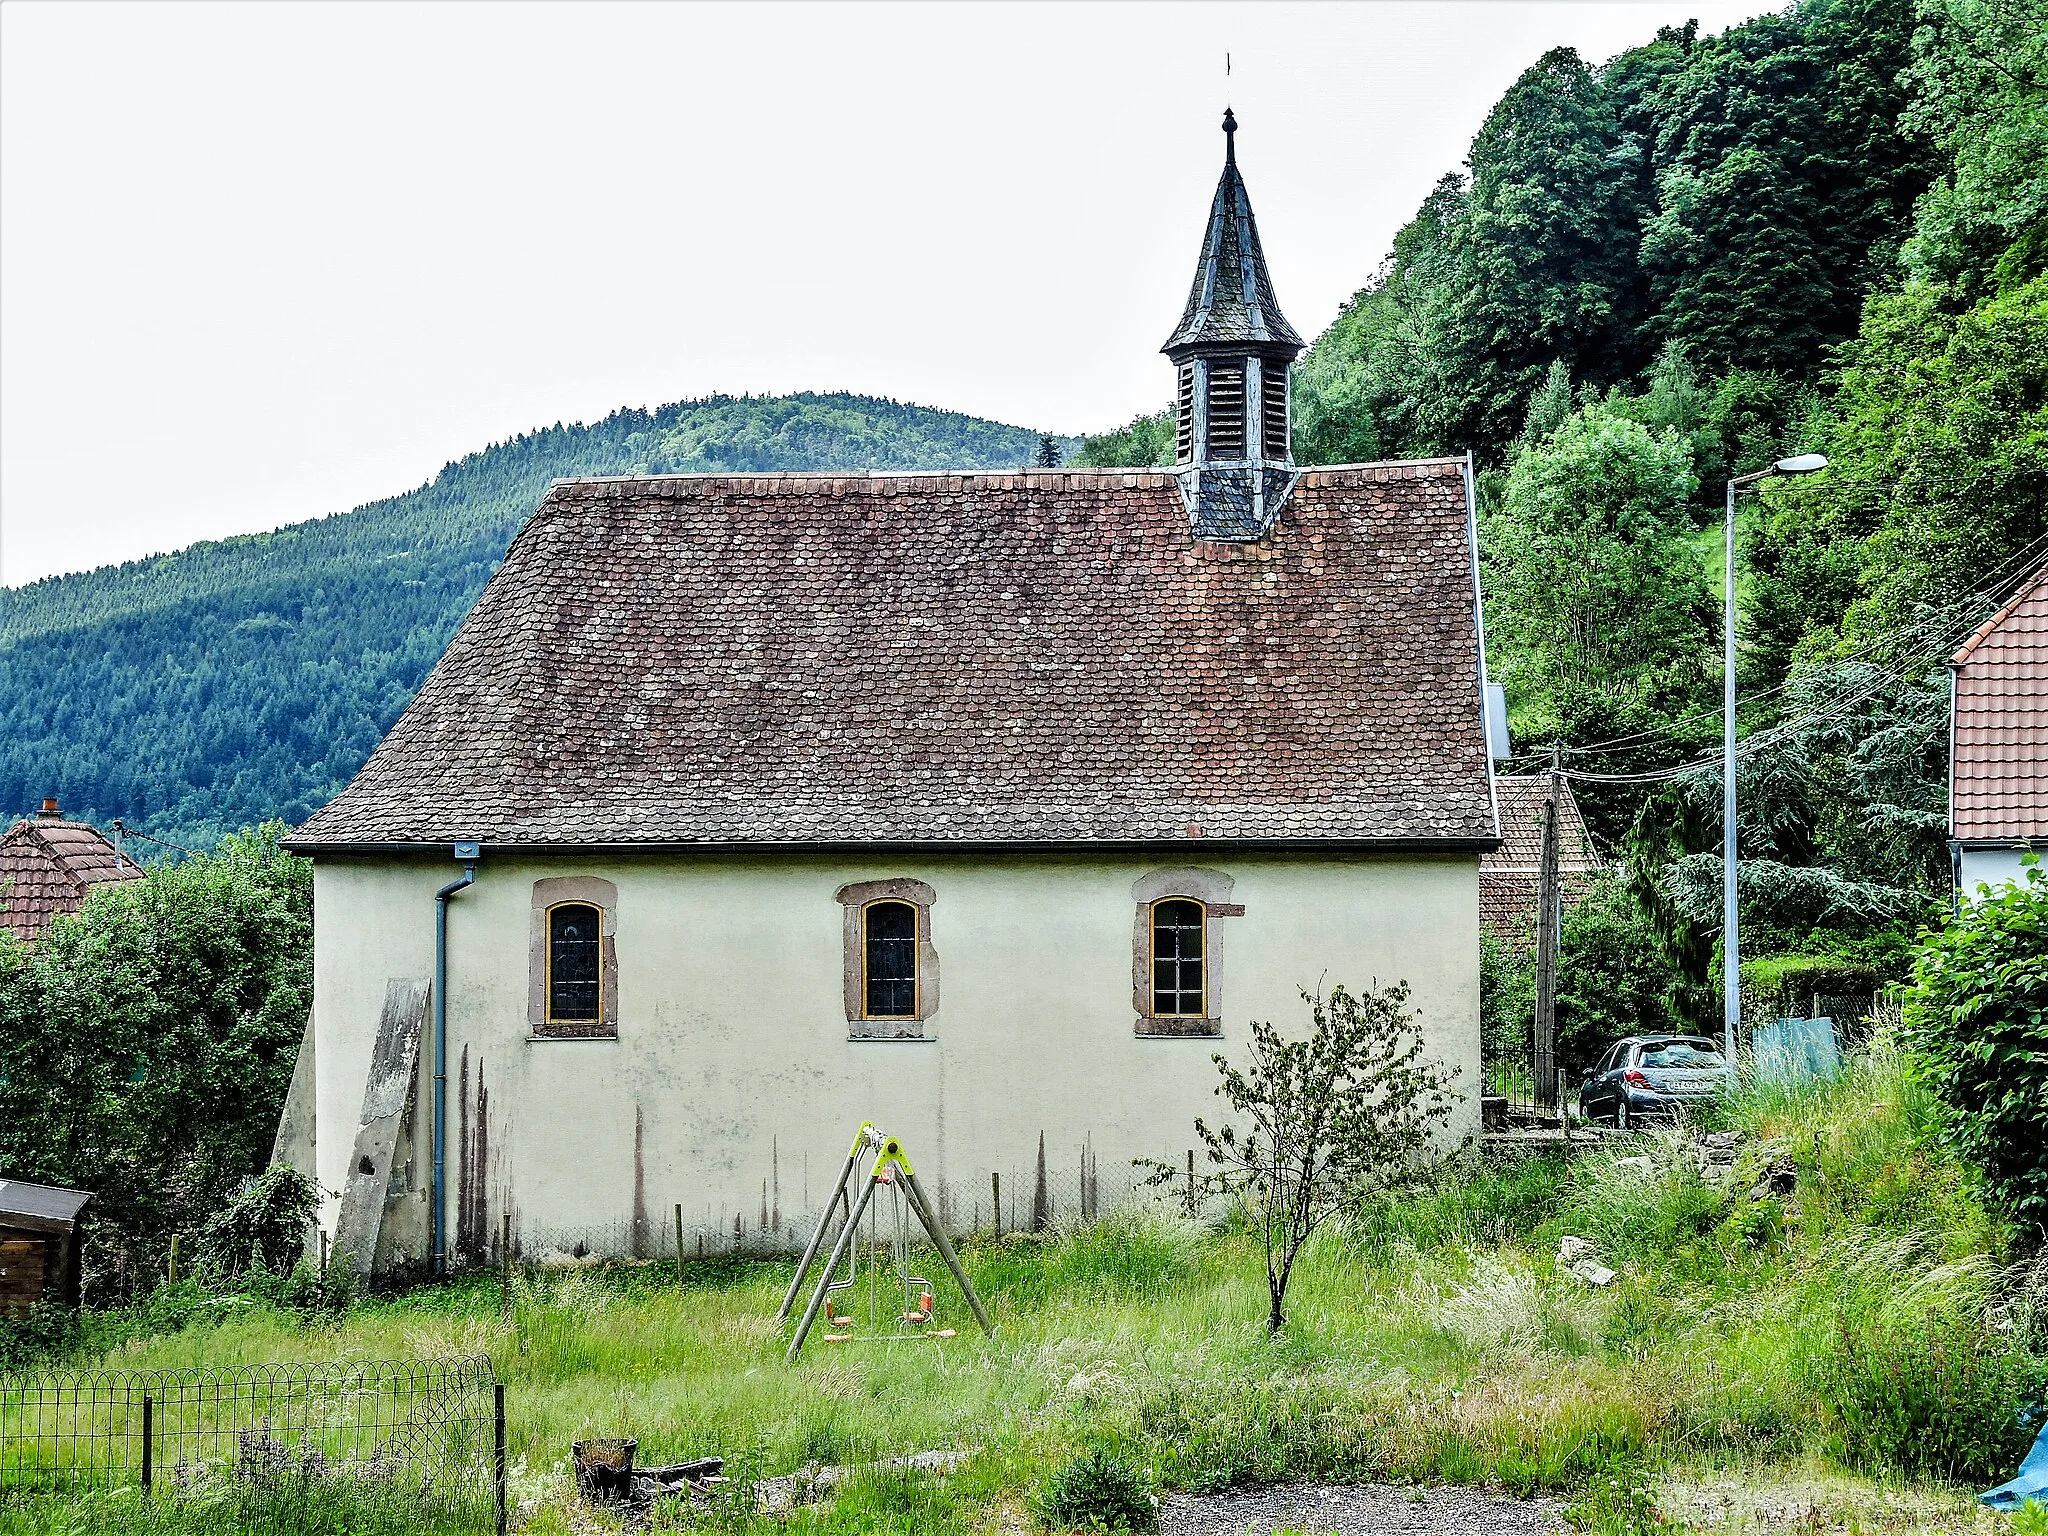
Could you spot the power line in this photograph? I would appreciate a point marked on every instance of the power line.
(121, 831)
(1992, 592)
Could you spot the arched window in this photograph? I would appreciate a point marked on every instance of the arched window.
(889, 959)
(574, 965)
(1179, 988)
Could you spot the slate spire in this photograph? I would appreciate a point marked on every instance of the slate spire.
(1232, 299)
(1231, 354)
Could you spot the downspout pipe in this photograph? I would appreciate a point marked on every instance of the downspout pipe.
(467, 854)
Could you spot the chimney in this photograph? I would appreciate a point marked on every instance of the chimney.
(49, 812)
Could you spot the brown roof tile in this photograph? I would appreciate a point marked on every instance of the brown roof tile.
(1025, 657)
(1508, 876)
(2000, 772)
(47, 867)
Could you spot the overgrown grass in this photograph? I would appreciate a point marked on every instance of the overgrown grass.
(1870, 1317)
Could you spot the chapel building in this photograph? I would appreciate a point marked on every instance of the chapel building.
(986, 807)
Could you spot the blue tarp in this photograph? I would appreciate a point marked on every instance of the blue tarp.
(2032, 1482)
(1790, 1050)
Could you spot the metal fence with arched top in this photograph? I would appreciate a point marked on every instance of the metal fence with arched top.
(428, 1432)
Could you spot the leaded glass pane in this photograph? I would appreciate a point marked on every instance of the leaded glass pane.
(1177, 990)
(574, 986)
(891, 937)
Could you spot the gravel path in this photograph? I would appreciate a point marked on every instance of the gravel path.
(1373, 1510)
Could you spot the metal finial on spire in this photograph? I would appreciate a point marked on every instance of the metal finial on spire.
(1229, 136)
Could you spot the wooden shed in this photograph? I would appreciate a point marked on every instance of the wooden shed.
(38, 1244)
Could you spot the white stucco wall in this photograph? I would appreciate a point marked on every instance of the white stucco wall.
(733, 1045)
(1990, 866)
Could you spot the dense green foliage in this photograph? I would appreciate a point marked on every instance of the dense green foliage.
(1601, 608)
(264, 1227)
(247, 679)
(1735, 194)
(1146, 443)
(146, 1043)
(1978, 1016)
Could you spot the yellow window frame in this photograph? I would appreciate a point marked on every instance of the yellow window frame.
(916, 957)
(1201, 954)
(548, 962)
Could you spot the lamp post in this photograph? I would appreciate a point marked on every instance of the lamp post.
(1731, 945)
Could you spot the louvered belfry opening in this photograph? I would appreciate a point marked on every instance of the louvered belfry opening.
(1184, 416)
(1226, 410)
(1275, 445)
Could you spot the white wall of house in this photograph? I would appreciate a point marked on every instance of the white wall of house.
(733, 1056)
(1993, 867)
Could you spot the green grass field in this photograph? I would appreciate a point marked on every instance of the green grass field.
(1869, 1326)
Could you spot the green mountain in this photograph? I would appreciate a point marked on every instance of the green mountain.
(248, 678)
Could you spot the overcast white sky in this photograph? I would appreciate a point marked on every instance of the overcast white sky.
(263, 262)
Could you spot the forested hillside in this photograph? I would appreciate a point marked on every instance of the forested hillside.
(1822, 230)
(247, 679)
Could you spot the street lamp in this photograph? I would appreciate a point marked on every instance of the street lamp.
(1731, 948)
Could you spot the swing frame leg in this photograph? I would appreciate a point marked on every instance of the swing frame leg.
(930, 1219)
(831, 1266)
(860, 1141)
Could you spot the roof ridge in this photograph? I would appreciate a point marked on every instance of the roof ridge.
(763, 478)
(1984, 631)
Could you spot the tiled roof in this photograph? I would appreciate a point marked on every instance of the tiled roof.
(2001, 723)
(1034, 657)
(1232, 299)
(47, 866)
(40, 1205)
(1510, 875)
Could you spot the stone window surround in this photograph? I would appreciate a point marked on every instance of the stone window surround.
(553, 892)
(1210, 887)
(854, 900)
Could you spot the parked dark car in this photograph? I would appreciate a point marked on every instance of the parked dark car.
(1652, 1076)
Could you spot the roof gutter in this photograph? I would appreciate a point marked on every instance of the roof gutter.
(318, 847)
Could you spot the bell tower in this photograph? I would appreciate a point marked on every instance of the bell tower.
(1231, 353)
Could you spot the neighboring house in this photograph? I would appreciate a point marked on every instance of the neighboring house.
(47, 867)
(985, 807)
(1998, 741)
(1509, 876)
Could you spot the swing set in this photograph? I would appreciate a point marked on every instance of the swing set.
(883, 1165)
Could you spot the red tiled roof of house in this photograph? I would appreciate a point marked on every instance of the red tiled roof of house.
(46, 868)
(1509, 876)
(1033, 657)
(2000, 770)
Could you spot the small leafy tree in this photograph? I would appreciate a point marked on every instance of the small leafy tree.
(1345, 1113)
(1977, 1019)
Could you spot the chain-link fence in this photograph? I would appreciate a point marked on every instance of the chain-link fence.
(310, 1439)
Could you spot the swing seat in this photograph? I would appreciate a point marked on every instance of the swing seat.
(838, 1338)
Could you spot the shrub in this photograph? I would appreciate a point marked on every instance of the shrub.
(1098, 1491)
(42, 1335)
(1977, 1021)
(1944, 1395)
(263, 1227)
